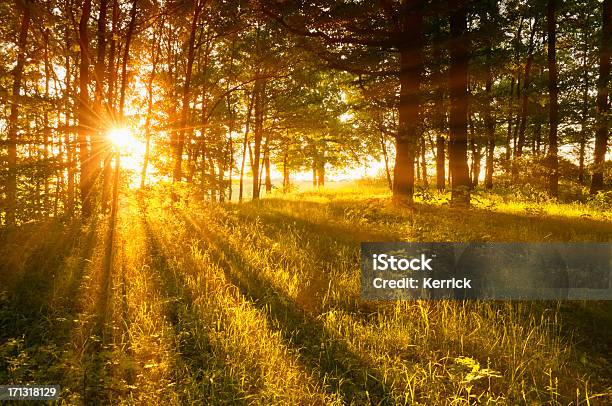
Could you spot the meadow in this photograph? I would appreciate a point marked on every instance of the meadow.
(258, 303)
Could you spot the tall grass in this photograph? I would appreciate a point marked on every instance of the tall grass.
(258, 303)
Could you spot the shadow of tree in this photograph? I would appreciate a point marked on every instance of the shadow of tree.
(339, 369)
(193, 347)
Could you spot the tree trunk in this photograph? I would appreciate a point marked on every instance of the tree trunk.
(126, 58)
(258, 134)
(440, 119)
(11, 182)
(180, 139)
(97, 139)
(84, 114)
(69, 205)
(424, 162)
(510, 118)
(458, 78)
(383, 145)
(411, 69)
(155, 56)
(47, 128)
(111, 74)
(553, 115)
(244, 146)
(585, 110)
(267, 164)
(524, 103)
(321, 174)
(475, 149)
(286, 180)
(602, 135)
(314, 172)
(489, 123)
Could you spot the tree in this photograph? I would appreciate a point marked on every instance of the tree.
(602, 132)
(11, 183)
(84, 113)
(458, 83)
(553, 112)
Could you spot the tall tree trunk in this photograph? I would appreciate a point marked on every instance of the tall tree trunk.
(84, 113)
(267, 164)
(97, 139)
(11, 182)
(411, 69)
(524, 102)
(232, 121)
(424, 162)
(439, 114)
(180, 139)
(585, 109)
(510, 119)
(244, 146)
(602, 134)
(286, 180)
(155, 58)
(321, 175)
(126, 59)
(69, 205)
(458, 78)
(111, 74)
(383, 146)
(553, 115)
(258, 134)
(489, 122)
(475, 149)
(47, 128)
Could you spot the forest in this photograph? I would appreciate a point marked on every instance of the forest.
(185, 185)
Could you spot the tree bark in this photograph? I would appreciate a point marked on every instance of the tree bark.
(97, 139)
(489, 122)
(155, 56)
(180, 139)
(510, 118)
(258, 134)
(268, 178)
(602, 133)
(411, 69)
(244, 146)
(47, 128)
(524, 102)
(383, 146)
(553, 114)
(286, 180)
(84, 113)
(585, 110)
(11, 182)
(458, 78)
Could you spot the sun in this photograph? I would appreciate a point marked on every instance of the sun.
(121, 138)
(131, 149)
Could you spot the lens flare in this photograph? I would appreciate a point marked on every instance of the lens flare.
(121, 138)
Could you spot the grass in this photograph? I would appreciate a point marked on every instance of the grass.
(258, 303)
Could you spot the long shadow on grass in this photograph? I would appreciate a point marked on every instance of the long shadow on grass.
(194, 348)
(338, 368)
(587, 334)
(96, 389)
(41, 314)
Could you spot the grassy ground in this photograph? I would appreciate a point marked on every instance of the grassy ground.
(259, 303)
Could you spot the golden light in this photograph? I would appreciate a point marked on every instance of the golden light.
(121, 138)
(132, 151)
